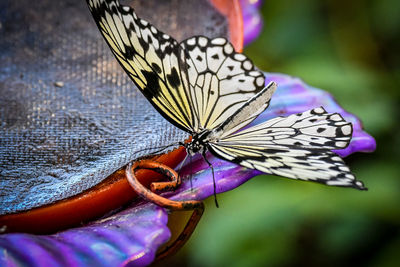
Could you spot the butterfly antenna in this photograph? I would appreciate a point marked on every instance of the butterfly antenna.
(181, 165)
(191, 174)
(212, 170)
(160, 148)
(190, 177)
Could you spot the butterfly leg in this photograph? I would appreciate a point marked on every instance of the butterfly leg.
(212, 171)
(191, 174)
(188, 155)
(181, 164)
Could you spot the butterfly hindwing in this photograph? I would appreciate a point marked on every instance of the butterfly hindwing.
(221, 80)
(297, 146)
(248, 112)
(315, 129)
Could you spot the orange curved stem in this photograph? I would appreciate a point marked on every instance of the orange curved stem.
(184, 236)
(151, 196)
(175, 181)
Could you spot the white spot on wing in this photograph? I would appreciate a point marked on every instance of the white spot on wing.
(346, 129)
(218, 41)
(228, 49)
(191, 41)
(336, 117)
(203, 41)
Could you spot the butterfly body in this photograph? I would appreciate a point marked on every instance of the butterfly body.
(205, 88)
(198, 144)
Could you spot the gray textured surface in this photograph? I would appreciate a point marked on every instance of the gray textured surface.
(69, 115)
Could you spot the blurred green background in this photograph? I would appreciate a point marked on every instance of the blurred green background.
(351, 49)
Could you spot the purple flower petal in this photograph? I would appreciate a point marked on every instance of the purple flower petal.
(252, 20)
(134, 235)
(131, 236)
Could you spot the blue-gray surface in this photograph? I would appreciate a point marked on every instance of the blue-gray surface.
(69, 116)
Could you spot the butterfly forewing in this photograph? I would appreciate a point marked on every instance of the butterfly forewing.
(150, 57)
(296, 147)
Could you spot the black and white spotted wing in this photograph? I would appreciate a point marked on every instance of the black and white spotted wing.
(149, 56)
(297, 146)
(207, 89)
(196, 85)
(220, 79)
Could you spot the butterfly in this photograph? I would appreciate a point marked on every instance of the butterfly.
(205, 88)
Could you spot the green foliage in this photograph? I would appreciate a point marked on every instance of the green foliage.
(349, 48)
